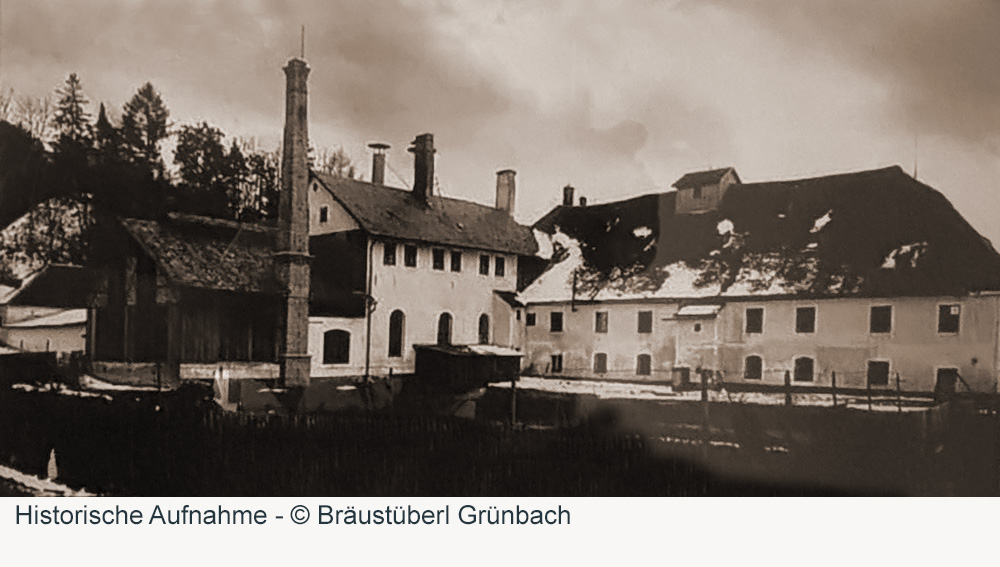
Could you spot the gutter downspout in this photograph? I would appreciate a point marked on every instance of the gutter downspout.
(369, 307)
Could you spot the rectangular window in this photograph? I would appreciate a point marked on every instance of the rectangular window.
(948, 318)
(529, 319)
(600, 363)
(645, 321)
(410, 256)
(389, 254)
(753, 368)
(644, 365)
(500, 266)
(754, 320)
(803, 369)
(438, 257)
(696, 192)
(805, 320)
(878, 373)
(557, 363)
(324, 214)
(556, 322)
(881, 319)
(484, 265)
(456, 261)
(601, 322)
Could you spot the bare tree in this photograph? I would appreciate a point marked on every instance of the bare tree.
(35, 115)
(8, 106)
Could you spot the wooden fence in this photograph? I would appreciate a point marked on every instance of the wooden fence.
(178, 444)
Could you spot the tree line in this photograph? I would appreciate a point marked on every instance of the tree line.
(116, 162)
(67, 170)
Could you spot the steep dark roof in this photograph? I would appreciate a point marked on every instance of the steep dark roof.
(396, 213)
(877, 232)
(701, 178)
(57, 285)
(207, 254)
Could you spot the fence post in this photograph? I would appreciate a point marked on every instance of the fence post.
(833, 374)
(513, 401)
(704, 386)
(868, 390)
(788, 388)
(899, 395)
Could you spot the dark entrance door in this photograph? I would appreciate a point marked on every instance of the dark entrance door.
(944, 388)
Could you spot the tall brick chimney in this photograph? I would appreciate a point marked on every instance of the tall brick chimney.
(506, 190)
(378, 162)
(423, 166)
(568, 196)
(292, 254)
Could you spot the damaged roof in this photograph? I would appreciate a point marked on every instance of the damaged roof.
(874, 233)
(398, 214)
(209, 254)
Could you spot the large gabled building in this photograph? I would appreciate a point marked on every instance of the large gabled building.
(865, 275)
(431, 269)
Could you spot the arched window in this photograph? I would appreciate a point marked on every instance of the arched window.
(484, 329)
(803, 369)
(644, 365)
(396, 322)
(336, 347)
(444, 329)
(753, 368)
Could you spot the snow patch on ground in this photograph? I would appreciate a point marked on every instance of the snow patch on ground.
(39, 486)
(88, 382)
(886, 402)
(61, 390)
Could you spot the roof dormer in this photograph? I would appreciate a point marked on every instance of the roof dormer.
(702, 191)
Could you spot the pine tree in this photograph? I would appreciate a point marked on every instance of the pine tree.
(71, 119)
(105, 134)
(144, 126)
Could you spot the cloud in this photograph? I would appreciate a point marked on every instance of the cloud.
(937, 60)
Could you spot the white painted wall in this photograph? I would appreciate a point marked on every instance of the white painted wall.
(420, 292)
(841, 343)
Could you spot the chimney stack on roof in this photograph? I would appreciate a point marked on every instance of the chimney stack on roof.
(378, 162)
(506, 190)
(423, 166)
(583, 201)
(568, 196)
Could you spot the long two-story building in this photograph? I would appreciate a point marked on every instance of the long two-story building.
(868, 276)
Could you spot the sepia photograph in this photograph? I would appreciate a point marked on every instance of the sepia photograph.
(501, 248)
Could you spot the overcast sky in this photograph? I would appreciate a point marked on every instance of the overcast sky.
(617, 98)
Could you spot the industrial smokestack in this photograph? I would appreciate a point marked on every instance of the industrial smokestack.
(423, 167)
(568, 196)
(506, 190)
(378, 163)
(292, 254)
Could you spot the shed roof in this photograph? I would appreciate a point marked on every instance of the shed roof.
(398, 214)
(208, 255)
